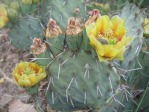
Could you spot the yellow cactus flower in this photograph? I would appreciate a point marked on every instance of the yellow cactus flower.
(146, 27)
(3, 16)
(27, 74)
(108, 37)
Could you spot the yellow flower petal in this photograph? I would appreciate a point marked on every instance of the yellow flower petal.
(118, 27)
(33, 79)
(116, 21)
(41, 76)
(17, 76)
(110, 52)
(102, 24)
(101, 58)
(27, 83)
(91, 29)
(96, 45)
(124, 42)
(21, 82)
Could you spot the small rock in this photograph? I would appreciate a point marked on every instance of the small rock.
(18, 106)
(5, 99)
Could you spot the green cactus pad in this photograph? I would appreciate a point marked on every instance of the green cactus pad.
(22, 33)
(134, 24)
(56, 44)
(82, 78)
(59, 102)
(85, 45)
(61, 10)
(74, 42)
(44, 58)
(120, 102)
(140, 78)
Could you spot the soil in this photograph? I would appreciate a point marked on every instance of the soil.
(9, 57)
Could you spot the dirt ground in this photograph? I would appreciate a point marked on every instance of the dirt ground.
(9, 57)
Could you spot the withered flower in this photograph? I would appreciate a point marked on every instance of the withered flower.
(37, 47)
(53, 29)
(94, 14)
(74, 26)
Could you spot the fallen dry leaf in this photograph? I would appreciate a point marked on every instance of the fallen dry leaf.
(18, 106)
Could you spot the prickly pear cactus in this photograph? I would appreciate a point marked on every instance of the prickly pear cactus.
(80, 56)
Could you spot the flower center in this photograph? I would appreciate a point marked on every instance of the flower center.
(28, 71)
(107, 38)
